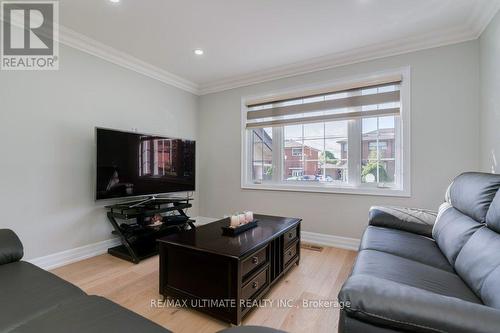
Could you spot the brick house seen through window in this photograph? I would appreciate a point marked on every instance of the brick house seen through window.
(305, 162)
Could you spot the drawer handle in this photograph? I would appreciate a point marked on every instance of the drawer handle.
(255, 260)
(255, 285)
(290, 253)
(290, 235)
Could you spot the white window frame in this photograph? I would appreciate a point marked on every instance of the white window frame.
(403, 146)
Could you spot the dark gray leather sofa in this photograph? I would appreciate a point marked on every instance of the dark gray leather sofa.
(413, 276)
(33, 300)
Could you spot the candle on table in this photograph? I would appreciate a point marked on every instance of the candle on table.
(242, 218)
(249, 216)
(235, 220)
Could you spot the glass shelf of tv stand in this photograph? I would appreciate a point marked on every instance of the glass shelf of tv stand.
(139, 242)
(132, 210)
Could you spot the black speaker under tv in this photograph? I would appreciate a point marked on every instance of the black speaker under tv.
(132, 164)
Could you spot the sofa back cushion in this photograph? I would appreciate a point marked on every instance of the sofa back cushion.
(11, 248)
(493, 215)
(472, 193)
(452, 230)
(478, 264)
(465, 210)
(467, 232)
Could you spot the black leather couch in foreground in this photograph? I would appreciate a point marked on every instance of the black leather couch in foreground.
(410, 276)
(33, 300)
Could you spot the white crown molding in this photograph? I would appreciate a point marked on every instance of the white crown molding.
(83, 43)
(482, 16)
(362, 54)
(472, 29)
(67, 257)
(330, 240)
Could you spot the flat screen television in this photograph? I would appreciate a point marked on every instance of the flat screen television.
(133, 164)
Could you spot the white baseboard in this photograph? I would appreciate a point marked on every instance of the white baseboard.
(59, 259)
(330, 240)
(201, 220)
(70, 256)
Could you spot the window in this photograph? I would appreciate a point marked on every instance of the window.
(349, 137)
(321, 157)
(164, 151)
(297, 151)
(374, 145)
(145, 158)
(262, 139)
(378, 150)
(156, 157)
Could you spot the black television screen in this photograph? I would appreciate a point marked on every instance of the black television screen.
(133, 164)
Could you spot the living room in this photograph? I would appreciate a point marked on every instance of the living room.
(250, 166)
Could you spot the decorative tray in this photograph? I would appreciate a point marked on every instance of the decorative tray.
(229, 231)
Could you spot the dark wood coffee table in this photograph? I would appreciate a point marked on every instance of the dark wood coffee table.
(223, 275)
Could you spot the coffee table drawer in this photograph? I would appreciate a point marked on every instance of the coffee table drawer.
(252, 262)
(290, 253)
(290, 236)
(255, 284)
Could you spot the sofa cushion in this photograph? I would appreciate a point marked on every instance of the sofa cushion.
(419, 221)
(412, 273)
(472, 192)
(452, 230)
(406, 245)
(493, 215)
(90, 314)
(402, 307)
(27, 291)
(478, 264)
(351, 324)
(11, 248)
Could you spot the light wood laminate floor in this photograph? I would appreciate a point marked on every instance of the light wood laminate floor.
(318, 277)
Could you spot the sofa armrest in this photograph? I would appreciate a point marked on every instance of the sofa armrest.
(391, 304)
(11, 248)
(418, 221)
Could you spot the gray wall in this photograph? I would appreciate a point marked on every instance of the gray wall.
(444, 136)
(47, 149)
(489, 48)
(47, 121)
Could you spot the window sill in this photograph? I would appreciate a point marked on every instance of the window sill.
(387, 192)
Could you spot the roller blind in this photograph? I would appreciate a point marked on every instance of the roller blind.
(369, 99)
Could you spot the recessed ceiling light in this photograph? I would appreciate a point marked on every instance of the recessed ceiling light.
(198, 52)
(114, 1)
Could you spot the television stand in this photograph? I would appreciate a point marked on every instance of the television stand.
(139, 203)
(131, 222)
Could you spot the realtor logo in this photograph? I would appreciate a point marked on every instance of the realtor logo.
(30, 34)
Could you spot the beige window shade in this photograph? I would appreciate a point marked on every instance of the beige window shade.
(325, 91)
(366, 101)
(317, 119)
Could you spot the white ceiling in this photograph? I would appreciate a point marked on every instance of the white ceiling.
(256, 40)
